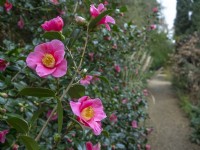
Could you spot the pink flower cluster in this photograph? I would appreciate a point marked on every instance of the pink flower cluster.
(48, 59)
(88, 79)
(97, 11)
(89, 112)
(3, 135)
(89, 146)
(8, 6)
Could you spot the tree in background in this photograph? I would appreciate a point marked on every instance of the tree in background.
(195, 18)
(182, 21)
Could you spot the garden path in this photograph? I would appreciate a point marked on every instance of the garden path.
(171, 126)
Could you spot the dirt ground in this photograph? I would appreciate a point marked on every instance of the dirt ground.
(171, 126)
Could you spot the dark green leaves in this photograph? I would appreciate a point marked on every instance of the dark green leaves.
(2, 2)
(73, 37)
(95, 21)
(37, 92)
(60, 116)
(30, 143)
(19, 124)
(76, 91)
(53, 35)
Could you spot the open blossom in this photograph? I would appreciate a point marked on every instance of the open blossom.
(8, 6)
(48, 59)
(3, 64)
(153, 27)
(117, 68)
(20, 23)
(97, 11)
(55, 24)
(54, 117)
(86, 80)
(134, 124)
(89, 112)
(113, 118)
(89, 146)
(3, 135)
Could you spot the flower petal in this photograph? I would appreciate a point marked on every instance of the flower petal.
(42, 71)
(95, 126)
(33, 59)
(89, 146)
(94, 11)
(110, 19)
(61, 69)
(75, 106)
(101, 7)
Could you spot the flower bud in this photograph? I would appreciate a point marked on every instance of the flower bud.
(56, 138)
(80, 20)
(4, 95)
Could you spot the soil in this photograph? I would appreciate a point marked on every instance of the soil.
(169, 121)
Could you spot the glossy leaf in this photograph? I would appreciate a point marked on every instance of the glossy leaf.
(95, 21)
(104, 79)
(30, 143)
(36, 115)
(53, 35)
(37, 92)
(19, 124)
(76, 91)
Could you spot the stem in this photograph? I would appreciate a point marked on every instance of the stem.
(66, 90)
(17, 74)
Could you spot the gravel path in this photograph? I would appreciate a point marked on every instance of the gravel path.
(171, 126)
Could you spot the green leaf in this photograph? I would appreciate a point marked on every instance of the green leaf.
(76, 91)
(53, 35)
(73, 37)
(19, 124)
(105, 133)
(75, 121)
(123, 9)
(104, 79)
(2, 2)
(36, 115)
(29, 142)
(95, 21)
(37, 92)
(60, 116)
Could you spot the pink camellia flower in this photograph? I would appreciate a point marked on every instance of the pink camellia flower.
(3, 64)
(86, 80)
(55, 2)
(117, 68)
(48, 59)
(89, 112)
(89, 146)
(3, 135)
(97, 11)
(91, 55)
(20, 23)
(148, 147)
(54, 117)
(55, 24)
(8, 6)
(113, 118)
(134, 124)
(153, 27)
(155, 9)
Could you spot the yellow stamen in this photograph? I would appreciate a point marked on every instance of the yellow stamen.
(87, 113)
(48, 61)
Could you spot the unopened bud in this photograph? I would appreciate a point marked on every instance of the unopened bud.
(57, 138)
(4, 95)
(80, 20)
(84, 70)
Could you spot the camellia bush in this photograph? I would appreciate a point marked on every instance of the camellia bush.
(70, 76)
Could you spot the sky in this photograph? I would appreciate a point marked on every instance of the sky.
(169, 11)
